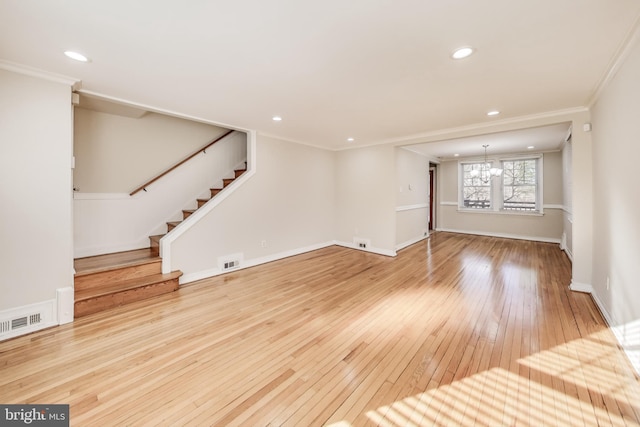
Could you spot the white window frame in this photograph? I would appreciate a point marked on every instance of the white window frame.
(497, 186)
(539, 180)
(461, 205)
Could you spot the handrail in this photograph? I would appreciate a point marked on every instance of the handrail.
(200, 150)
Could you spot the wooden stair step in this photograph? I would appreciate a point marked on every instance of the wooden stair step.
(115, 294)
(86, 281)
(171, 225)
(201, 202)
(186, 213)
(239, 172)
(227, 181)
(99, 263)
(215, 191)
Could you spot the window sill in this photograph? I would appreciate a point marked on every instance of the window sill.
(503, 212)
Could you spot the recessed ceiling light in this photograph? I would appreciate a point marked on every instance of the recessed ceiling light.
(493, 113)
(456, 155)
(77, 56)
(531, 147)
(350, 139)
(462, 52)
(277, 118)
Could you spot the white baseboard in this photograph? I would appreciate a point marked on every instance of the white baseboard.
(581, 287)
(502, 235)
(27, 318)
(627, 335)
(410, 242)
(378, 251)
(204, 274)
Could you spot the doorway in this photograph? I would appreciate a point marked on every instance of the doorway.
(432, 196)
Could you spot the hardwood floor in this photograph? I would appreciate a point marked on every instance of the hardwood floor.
(455, 330)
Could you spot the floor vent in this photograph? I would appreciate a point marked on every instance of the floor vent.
(7, 326)
(230, 262)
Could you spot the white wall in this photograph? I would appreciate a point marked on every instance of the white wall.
(35, 189)
(286, 207)
(116, 154)
(547, 227)
(412, 197)
(105, 223)
(616, 252)
(365, 197)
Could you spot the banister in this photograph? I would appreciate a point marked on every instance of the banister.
(200, 150)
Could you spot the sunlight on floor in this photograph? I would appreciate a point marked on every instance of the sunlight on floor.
(571, 384)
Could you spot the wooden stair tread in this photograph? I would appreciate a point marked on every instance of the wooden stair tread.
(100, 263)
(157, 237)
(125, 285)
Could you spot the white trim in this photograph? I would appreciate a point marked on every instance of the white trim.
(385, 252)
(618, 59)
(503, 235)
(66, 300)
(73, 82)
(569, 253)
(448, 203)
(192, 277)
(46, 309)
(410, 242)
(630, 348)
(489, 126)
(553, 206)
(412, 207)
(194, 218)
(581, 287)
(501, 212)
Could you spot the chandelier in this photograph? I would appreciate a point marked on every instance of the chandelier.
(486, 172)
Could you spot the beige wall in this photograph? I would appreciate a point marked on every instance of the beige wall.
(365, 201)
(547, 227)
(116, 154)
(35, 185)
(412, 196)
(288, 205)
(616, 252)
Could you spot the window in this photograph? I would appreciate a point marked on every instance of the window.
(476, 187)
(519, 185)
(518, 189)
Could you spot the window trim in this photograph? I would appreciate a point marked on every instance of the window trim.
(497, 186)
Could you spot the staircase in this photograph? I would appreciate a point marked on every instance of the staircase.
(106, 281)
(155, 240)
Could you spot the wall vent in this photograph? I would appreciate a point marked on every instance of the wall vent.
(7, 326)
(361, 243)
(230, 262)
(228, 265)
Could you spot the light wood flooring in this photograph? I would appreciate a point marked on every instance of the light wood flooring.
(455, 331)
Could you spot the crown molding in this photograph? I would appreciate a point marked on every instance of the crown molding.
(73, 82)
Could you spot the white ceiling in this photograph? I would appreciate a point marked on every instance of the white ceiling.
(375, 70)
(542, 139)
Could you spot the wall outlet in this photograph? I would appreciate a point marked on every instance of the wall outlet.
(263, 243)
(608, 283)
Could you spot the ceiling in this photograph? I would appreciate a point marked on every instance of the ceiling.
(540, 139)
(375, 70)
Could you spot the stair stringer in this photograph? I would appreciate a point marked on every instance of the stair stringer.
(199, 214)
